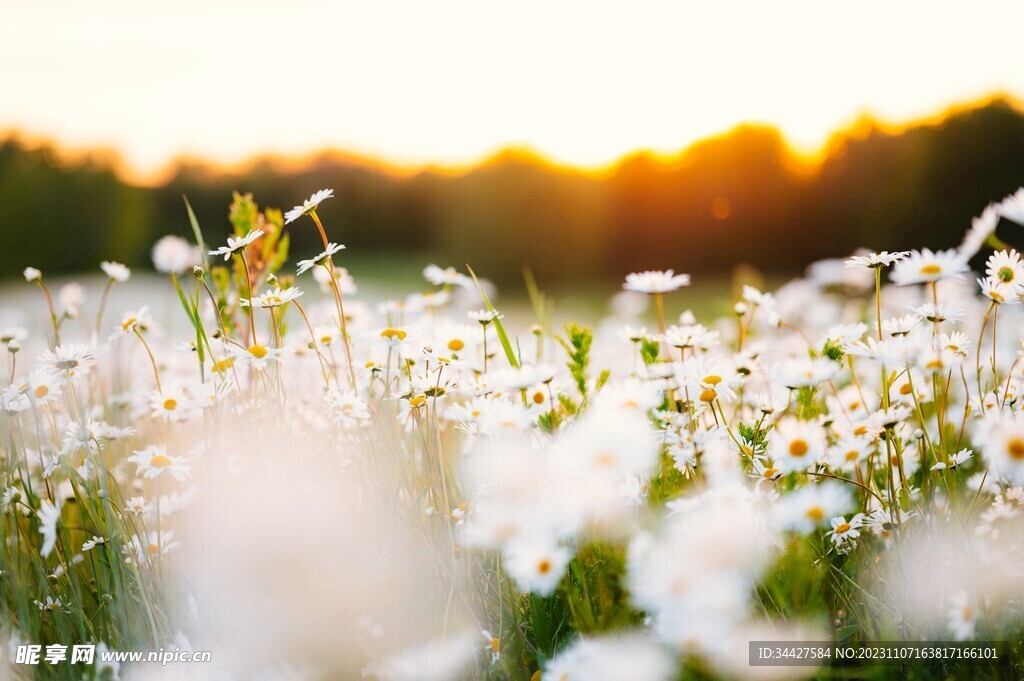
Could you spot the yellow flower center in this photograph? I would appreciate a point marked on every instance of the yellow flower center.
(544, 567)
(708, 395)
(843, 528)
(258, 351)
(170, 404)
(931, 268)
(417, 401)
(852, 454)
(273, 300)
(161, 461)
(42, 391)
(223, 365)
(154, 549)
(816, 513)
(905, 389)
(455, 345)
(1015, 448)
(770, 472)
(538, 397)
(712, 379)
(126, 324)
(798, 447)
(495, 644)
(393, 334)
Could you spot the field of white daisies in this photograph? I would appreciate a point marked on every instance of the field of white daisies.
(313, 487)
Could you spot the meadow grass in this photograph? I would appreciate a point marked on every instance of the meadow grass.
(448, 484)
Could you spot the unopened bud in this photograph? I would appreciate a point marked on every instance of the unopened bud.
(13, 346)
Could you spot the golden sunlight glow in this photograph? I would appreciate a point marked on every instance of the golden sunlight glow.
(443, 82)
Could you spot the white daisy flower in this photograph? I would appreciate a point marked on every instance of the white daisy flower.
(925, 266)
(1006, 268)
(448, 276)
(844, 530)
(962, 612)
(876, 260)
(612, 658)
(306, 265)
(154, 461)
(51, 605)
(1002, 443)
(137, 506)
(485, 317)
(955, 460)
(537, 566)
(982, 227)
(275, 298)
(938, 313)
(899, 326)
(308, 205)
(998, 292)
(172, 254)
(690, 336)
(68, 360)
(346, 407)
(653, 281)
(93, 543)
(796, 445)
(812, 505)
(956, 342)
(115, 271)
(48, 517)
(256, 355)
(1012, 207)
(171, 404)
(143, 549)
(236, 244)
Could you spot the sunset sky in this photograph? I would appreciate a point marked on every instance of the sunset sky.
(450, 82)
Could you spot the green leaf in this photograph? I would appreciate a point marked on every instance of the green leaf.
(537, 300)
(577, 346)
(847, 632)
(198, 232)
(649, 350)
(502, 336)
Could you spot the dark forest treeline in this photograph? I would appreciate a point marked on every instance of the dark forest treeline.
(741, 197)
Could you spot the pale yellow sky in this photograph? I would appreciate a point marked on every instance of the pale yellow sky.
(435, 81)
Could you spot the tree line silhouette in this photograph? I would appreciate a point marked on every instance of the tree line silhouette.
(744, 196)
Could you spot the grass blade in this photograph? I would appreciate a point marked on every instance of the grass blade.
(502, 336)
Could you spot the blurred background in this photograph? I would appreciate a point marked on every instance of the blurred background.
(583, 142)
